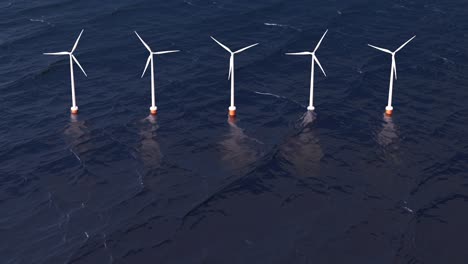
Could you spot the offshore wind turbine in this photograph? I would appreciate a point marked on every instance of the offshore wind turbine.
(393, 73)
(74, 108)
(153, 108)
(232, 107)
(314, 60)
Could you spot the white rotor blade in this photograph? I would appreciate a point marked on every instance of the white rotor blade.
(221, 44)
(318, 63)
(150, 57)
(79, 65)
(404, 44)
(299, 53)
(381, 49)
(144, 43)
(164, 52)
(248, 47)
(320, 42)
(231, 66)
(58, 53)
(394, 67)
(76, 42)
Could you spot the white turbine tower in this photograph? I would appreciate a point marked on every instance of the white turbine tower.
(314, 60)
(74, 108)
(393, 72)
(232, 108)
(153, 108)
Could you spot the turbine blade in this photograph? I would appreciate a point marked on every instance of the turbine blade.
(150, 57)
(144, 43)
(318, 63)
(299, 53)
(381, 49)
(320, 42)
(231, 66)
(222, 45)
(76, 42)
(248, 47)
(164, 52)
(394, 67)
(58, 53)
(79, 65)
(402, 46)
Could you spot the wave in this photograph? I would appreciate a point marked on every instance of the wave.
(281, 26)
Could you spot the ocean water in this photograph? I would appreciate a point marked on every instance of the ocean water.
(277, 184)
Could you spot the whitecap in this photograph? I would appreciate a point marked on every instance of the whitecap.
(280, 25)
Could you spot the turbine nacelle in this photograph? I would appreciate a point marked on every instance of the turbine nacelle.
(312, 53)
(70, 53)
(314, 58)
(393, 53)
(231, 59)
(150, 57)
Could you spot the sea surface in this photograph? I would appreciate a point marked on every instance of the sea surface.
(278, 184)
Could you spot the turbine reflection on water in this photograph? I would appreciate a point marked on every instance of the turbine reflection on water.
(239, 150)
(77, 136)
(302, 152)
(149, 149)
(389, 133)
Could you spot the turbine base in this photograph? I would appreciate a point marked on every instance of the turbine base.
(388, 110)
(153, 110)
(232, 111)
(310, 108)
(74, 110)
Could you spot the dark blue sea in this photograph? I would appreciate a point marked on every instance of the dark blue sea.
(278, 184)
